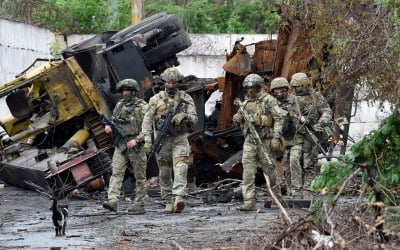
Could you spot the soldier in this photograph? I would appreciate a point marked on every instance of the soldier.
(128, 115)
(267, 118)
(316, 113)
(293, 138)
(175, 150)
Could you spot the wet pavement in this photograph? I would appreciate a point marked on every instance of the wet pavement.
(25, 223)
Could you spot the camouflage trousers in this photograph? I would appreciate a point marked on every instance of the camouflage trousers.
(173, 159)
(251, 160)
(293, 171)
(310, 160)
(119, 164)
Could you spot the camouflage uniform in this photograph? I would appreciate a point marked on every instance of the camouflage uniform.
(128, 115)
(268, 123)
(293, 143)
(316, 112)
(176, 149)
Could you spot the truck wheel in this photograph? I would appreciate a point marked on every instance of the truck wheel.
(166, 49)
(167, 23)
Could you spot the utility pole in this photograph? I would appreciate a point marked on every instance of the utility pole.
(137, 11)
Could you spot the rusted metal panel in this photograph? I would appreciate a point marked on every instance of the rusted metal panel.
(81, 173)
(264, 57)
(293, 53)
(231, 91)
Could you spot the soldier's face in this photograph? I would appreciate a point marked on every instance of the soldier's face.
(280, 93)
(252, 91)
(301, 90)
(170, 87)
(127, 94)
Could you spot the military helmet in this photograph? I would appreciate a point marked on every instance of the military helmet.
(279, 82)
(171, 74)
(128, 84)
(299, 79)
(253, 80)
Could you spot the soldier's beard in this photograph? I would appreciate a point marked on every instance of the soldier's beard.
(171, 91)
(252, 93)
(281, 97)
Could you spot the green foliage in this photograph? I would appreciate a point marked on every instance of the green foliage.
(205, 16)
(89, 16)
(378, 156)
(317, 209)
(94, 16)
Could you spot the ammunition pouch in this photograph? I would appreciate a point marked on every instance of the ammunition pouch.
(182, 127)
(267, 121)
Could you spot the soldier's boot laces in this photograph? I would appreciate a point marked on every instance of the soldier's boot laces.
(169, 207)
(137, 209)
(179, 204)
(110, 205)
(248, 206)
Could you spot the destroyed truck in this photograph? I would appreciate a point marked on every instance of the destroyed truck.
(53, 136)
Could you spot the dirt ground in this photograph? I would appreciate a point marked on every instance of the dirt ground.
(25, 223)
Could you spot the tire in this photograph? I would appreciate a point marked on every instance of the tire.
(168, 24)
(166, 49)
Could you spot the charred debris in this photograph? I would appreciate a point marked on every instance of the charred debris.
(53, 137)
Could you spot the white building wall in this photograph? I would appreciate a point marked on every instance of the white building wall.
(21, 44)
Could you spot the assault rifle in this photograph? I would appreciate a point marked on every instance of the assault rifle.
(314, 139)
(165, 128)
(118, 135)
(254, 136)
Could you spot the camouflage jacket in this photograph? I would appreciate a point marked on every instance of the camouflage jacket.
(315, 108)
(161, 104)
(267, 106)
(292, 105)
(128, 115)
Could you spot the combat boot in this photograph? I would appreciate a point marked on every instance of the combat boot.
(179, 204)
(169, 207)
(137, 209)
(248, 206)
(110, 205)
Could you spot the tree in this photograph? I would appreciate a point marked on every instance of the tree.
(362, 41)
(205, 16)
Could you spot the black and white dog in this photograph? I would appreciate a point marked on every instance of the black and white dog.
(60, 216)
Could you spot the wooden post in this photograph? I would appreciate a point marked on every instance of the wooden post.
(137, 11)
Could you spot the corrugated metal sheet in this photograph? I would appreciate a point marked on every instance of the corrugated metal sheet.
(20, 45)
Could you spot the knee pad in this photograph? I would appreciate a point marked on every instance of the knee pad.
(163, 163)
(181, 159)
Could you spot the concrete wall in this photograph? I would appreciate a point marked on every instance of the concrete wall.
(21, 44)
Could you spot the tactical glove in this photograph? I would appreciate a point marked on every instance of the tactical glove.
(178, 118)
(237, 118)
(147, 147)
(318, 127)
